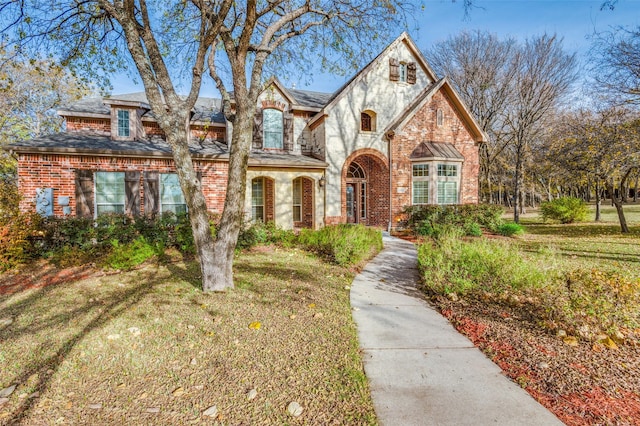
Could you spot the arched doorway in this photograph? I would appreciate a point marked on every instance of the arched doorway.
(365, 196)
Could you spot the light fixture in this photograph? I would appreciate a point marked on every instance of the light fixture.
(321, 182)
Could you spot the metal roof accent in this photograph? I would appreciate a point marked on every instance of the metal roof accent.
(441, 150)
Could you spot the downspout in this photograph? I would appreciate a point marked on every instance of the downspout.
(389, 135)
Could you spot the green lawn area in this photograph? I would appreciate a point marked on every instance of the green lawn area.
(148, 347)
(590, 244)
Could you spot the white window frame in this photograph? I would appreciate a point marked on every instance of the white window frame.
(272, 137)
(297, 199)
(124, 131)
(420, 180)
(174, 207)
(255, 206)
(109, 198)
(403, 70)
(448, 183)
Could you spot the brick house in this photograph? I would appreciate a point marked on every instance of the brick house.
(393, 136)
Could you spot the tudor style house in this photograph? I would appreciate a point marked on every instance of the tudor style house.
(393, 136)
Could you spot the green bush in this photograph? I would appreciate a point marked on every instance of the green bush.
(425, 220)
(510, 229)
(343, 244)
(564, 210)
(130, 255)
(456, 266)
(264, 233)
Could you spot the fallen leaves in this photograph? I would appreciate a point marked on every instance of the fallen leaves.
(255, 325)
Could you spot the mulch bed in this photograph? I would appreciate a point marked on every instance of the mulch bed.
(587, 384)
(41, 274)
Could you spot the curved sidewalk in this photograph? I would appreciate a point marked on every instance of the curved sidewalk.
(420, 369)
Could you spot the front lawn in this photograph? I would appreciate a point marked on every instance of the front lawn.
(148, 347)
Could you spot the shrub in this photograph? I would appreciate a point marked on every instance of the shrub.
(456, 266)
(510, 229)
(564, 210)
(343, 244)
(425, 220)
(264, 233)
(127, 256)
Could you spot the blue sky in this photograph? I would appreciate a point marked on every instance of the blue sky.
(573, 20)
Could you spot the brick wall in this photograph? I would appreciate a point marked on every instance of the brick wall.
(58, 172)
(422, 127)
(75, 124)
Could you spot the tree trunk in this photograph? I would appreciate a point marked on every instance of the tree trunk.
(598, 202)
(517, 184)
(177, 138)
(616, 202)
(233, 214)
(635, 190)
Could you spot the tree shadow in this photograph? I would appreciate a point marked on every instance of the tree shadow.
(118, 303)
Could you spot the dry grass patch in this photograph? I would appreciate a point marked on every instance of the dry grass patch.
(148, 347)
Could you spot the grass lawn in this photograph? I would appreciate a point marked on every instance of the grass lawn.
(590, 244)
(148, 347)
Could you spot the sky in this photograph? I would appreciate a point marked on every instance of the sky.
(573, 20)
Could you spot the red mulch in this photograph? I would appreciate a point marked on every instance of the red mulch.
(41, 274)
(583, 385)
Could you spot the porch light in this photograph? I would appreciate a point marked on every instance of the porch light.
(321, 182)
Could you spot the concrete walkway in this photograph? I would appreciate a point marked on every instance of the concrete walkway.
(420, 369)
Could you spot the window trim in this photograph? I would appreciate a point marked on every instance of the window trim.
(422, 178)
(403, 72)
(121, 119)
(161, 203)
(268, 133)
(439, 177)
(439, 117)
(254, 205)
(98, 194)
(297, 199)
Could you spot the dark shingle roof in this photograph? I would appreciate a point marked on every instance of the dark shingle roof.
(205, 109)
(102, 144)
(311, 99)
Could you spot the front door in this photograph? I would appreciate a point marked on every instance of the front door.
(352, 204)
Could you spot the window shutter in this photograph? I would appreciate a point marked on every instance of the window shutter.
(151, 193)
(257, 129)
(394, 69)
(411, 73)
(288, 132)
(132, 193)
(84, 193)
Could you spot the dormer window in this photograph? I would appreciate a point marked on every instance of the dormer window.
(402, 72)
(123, 123)
(272, 128)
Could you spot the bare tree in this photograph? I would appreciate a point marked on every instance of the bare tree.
(482, 69)
(545, 74)
(157, 34)
(615, 59)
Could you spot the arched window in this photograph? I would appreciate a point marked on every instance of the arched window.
(272, 128)
(368, 121)
(355, 172)
(439, 117)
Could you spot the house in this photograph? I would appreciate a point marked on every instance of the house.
(394, 135)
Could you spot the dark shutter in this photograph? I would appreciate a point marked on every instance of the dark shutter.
(411, 73)
(288, 131)
(394, 69)
(84, 193)
(151, 193)
(257, 129)
(132, 193)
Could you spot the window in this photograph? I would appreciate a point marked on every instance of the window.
(123, 123)
(171, 198)
(365, 122)
(447, 170)
(420, 184)
(447, 192)
(439, 117)
(272, 128)
(447, 184)
(257, 199)
(403, 72)
(297, 200)
(110, 192)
